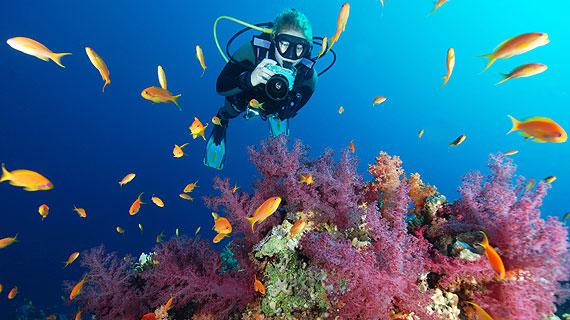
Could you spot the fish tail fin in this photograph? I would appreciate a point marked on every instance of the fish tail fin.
(516, 124)
(252, 222)
(107, 82)
(492, 59)
(505, 78)
(175, 101)
(203, 71)
(56, 57)
(5, 174)
(445, 80)
(485, 241)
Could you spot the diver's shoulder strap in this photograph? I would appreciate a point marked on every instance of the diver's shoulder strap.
(261, 45)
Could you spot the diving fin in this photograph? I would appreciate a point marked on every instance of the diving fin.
(277, 126)
(216, 148)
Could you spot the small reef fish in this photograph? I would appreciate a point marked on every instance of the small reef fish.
(157, 201)
(120, 230)
(43, 210)
(1, 287)
(493, 257)
(539, 129)
(450, 65)
(550, 179)
(159, 237)
(235, 188)
(80, 211)
(421, 133)
(186, 196)
(12, 294)
(258, 286)
(340, 110)
(379, 100)
(78, 315)
(168, 303)
(438, 5)
(159, 95)
(72, 257)
(126, 179)
(149, 316)
(351, 146)
(162, 78)
(221, 224)
(482, 314)
(27, 179)
(511, 152)
(530, 184)
(200, 56)
(136, 206)
(141, 227)
(51, 317)
(297, 227)
(177, 232)
(566, 216)
(77, 288)
(517, 45)
(265, 210)
(216, 120)
(340, 23)
(36, 49)
(100, 65)
(178, 151)
(459, 140)
(197, 231)
(526, 70)
(4, 242)
(308, 179)
(256, 104)
(219, 237)
(197, 129)
(323, 47)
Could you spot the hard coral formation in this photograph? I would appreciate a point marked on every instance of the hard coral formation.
(389, 248)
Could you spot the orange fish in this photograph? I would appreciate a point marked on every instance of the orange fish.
(517, 45)
(126, 179)
(12, 294)
(235, 188)
(178, 151)
(78, 315)
(100, 65)
(379, 100)
(149, 316)
(308, 179)
(219, 237)
(511, 152)
(72, 257)
(526, 70)
(450, 65)
(437, 5)
(8, 241)
(258, 286)
(77, 288)
(493, 257)
(81, 212)
(340, 110)
(550, 179)
(159, 95)
(136, 206)
(297, 227)
(265, 210)
(340, 23)
(186, 196)
(190, 187)
(197, 129)
(29, 180)
(157, 201)
(200, 56)
(482, 314)
(221, 225)
(323, 47)
(162, 78)
(539, 129)
(459, 140)
(168, 303)
(43, 211)
(351, 146)
(36, 49)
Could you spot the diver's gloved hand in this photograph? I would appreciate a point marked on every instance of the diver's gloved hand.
(261, 74)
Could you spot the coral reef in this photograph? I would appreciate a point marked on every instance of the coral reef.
(388, 248)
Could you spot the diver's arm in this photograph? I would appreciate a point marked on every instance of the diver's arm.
(306, 90)
(235, 78)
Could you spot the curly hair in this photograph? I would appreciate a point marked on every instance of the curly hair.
(292, 19)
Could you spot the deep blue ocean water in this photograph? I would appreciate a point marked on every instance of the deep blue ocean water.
(56, 121)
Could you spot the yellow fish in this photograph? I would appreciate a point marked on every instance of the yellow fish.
(265, 210)
(437, 5)
(511, 152)
(255, 104)
(482, 314)
(539, 129)
(177, 232)
(198, 129)
(379, 100)
(120, 230)
(190, 187)
(12, 294)
(517, 45)
(140, 227)
(8, 241)
(459, 140)
(36, 49)
(157, 201)
(44, 211)
(219, 237)
(308, 179)
(564, 218)
(526, 70)
(421, 133)
(71, 258)
(1, 287)
(77, 288)
(323, 47)
(297, 227)
(197, 231)
(216, 120)
(162, 78)
(235, 188)
(186, 196)
(178, 151)
(450, 65)
(100, 65)
(81, 212)
(530, 184)
(340, 23)
(200, 56)
(159, 95)
(550, 179)
(128, 178)
(29, 180)
(159, 237)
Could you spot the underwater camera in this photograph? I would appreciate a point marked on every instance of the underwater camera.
(279, 85)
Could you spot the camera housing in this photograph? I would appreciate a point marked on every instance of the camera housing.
(279, 85)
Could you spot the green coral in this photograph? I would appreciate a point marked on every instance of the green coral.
(291, 286)
(229, 262)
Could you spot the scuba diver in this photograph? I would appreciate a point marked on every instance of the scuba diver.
(272, 77)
